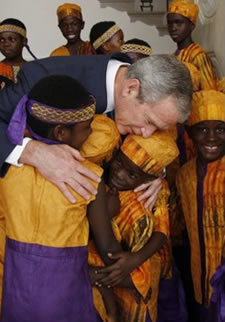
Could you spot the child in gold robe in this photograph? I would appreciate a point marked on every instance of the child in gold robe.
(181, 19)
(135, 276)
(201, 184)
(44, 237)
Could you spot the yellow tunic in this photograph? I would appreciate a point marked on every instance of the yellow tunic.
(203, 205)
(197, 56)
(34, 211)
(83, 49)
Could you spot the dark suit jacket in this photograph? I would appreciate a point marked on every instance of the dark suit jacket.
(89, 70)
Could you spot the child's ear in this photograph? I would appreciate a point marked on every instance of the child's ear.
(82, 24)
(106, 47)
(25, 41)
(60, 133)
(192, 26)
(188, 129)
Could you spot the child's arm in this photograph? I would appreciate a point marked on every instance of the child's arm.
(110, 304)
(108, 297)
(126, 262)
(101, 228)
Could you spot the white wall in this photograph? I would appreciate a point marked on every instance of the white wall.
(40, 19)
(211, 36)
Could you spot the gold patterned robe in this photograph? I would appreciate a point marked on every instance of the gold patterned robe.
(133, 227)
(203, 204)
(84, 49)
(197, 56)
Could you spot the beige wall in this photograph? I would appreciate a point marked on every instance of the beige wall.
(212, 36)
(40, 18)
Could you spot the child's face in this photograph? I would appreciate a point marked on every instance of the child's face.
(136, 56)
(11, 44)
(179, 27)
(78, 134)
(124, 174)
(71, 28)
(209, 139)
(114, 43)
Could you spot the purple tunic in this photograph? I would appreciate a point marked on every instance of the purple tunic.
(46, 284)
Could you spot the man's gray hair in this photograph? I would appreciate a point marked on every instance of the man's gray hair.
(162, 76)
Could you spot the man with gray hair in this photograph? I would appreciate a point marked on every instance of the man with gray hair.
(153, 93)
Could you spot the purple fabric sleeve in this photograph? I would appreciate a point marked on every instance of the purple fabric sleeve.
(17, 124)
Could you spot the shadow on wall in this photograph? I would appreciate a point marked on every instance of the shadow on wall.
(152, 13)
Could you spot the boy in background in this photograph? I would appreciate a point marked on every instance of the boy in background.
(201, 184)
(181, 20)
(13, 38)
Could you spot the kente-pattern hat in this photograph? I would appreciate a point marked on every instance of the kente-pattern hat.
(153, 154)
(185, 8)
(69, 9)
(207, 106)
(103, 140)
(195, 75)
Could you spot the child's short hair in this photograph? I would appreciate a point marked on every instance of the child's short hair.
(102, 32)
(137, 46)
(207, 105)
(153, 154)
(55, 99)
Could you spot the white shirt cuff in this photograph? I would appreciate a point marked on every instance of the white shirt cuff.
(14, 156)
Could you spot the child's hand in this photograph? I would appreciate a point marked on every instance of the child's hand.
(95, 275)
(125, 264)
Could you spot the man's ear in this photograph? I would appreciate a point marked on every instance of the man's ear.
(131, 87)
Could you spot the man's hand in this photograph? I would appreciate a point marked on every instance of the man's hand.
(61, 165)
(125, 263)
(152, 189)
